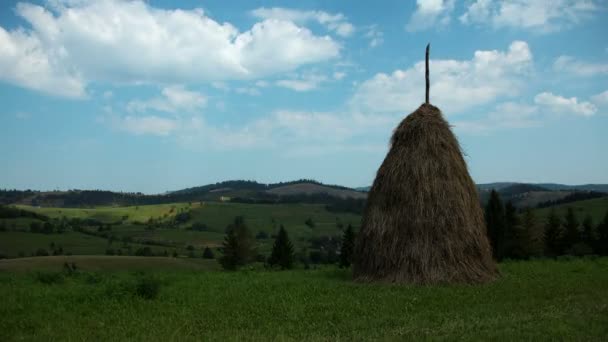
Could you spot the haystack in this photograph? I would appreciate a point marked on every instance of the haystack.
(423, 223)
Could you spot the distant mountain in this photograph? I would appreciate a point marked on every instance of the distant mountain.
(304, 190)
(583, 187)
(547, 186)
(312, 188)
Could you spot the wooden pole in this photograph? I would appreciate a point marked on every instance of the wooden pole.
(426, 75)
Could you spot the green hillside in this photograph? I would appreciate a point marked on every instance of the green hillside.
(596, 208)
(127, 229)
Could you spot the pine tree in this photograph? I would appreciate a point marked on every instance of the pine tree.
(282, 251)
(512, 225)
(208, 253)
(495, 222)
(348, 245)
(601, 246)
(588, 235)
(524, 235)
(571, 232)
(237, 246)
(552, 234)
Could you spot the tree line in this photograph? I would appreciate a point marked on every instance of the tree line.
(238, 248)
(520, 235)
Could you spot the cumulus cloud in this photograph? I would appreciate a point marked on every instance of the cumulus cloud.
(173, 99)
(563, 105)
(337, 23)
(579, 68)
(430, 14)
(536, 15)
(25, 61)
(457, 85)
(73, 43)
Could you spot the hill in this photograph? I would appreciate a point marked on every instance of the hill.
(314, 189)
(300, 191)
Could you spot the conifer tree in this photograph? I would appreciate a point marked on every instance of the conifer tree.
(282, 251)
(601, 246)
(552, 234)
(588, 233)
(348, 245)
(571, 230)
(512, 225)
(237, 246)
(495, 223)
(524, 235)
(208, 253)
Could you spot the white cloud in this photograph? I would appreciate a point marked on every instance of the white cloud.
(302, 83)
(140, 125)
(174, 99)
(600, 99)
(560, 104)
(536, 15)
(73, 43)
(108, 94)
(338, 75)
(25, 61)
(337, 23)
(251, 91)
(375, 36)
(504, 115)
(579, 68)
(430, 14)
(457, 85)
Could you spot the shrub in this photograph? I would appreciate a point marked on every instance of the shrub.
(261, 235)
(145, 251)
(147, 287)
(49, 278)
(208, 253)
(41, 252)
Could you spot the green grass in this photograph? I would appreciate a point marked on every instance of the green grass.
(112, 214)
(596, 208)
(76, 243)
(107, 263)
(259, 217)
(535, 300)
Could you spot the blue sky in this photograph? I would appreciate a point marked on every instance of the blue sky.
(147, 96)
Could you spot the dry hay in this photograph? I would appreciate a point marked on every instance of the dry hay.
(423, 223)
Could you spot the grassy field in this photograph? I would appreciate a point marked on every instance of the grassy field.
(114, 214)
(534, 300)
(596, 208)
(259, 217)
(13, 244)
(107, 263)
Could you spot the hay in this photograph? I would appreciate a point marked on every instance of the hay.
(423, 223)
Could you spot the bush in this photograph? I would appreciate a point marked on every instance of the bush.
(198, 226)
(261, 235)
(41, 252)
(146, 251)
(147, 287)
(49, 278)
(580, 249)
(208, 253)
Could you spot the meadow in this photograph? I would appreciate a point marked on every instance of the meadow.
(166, 235)
(563, 299)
